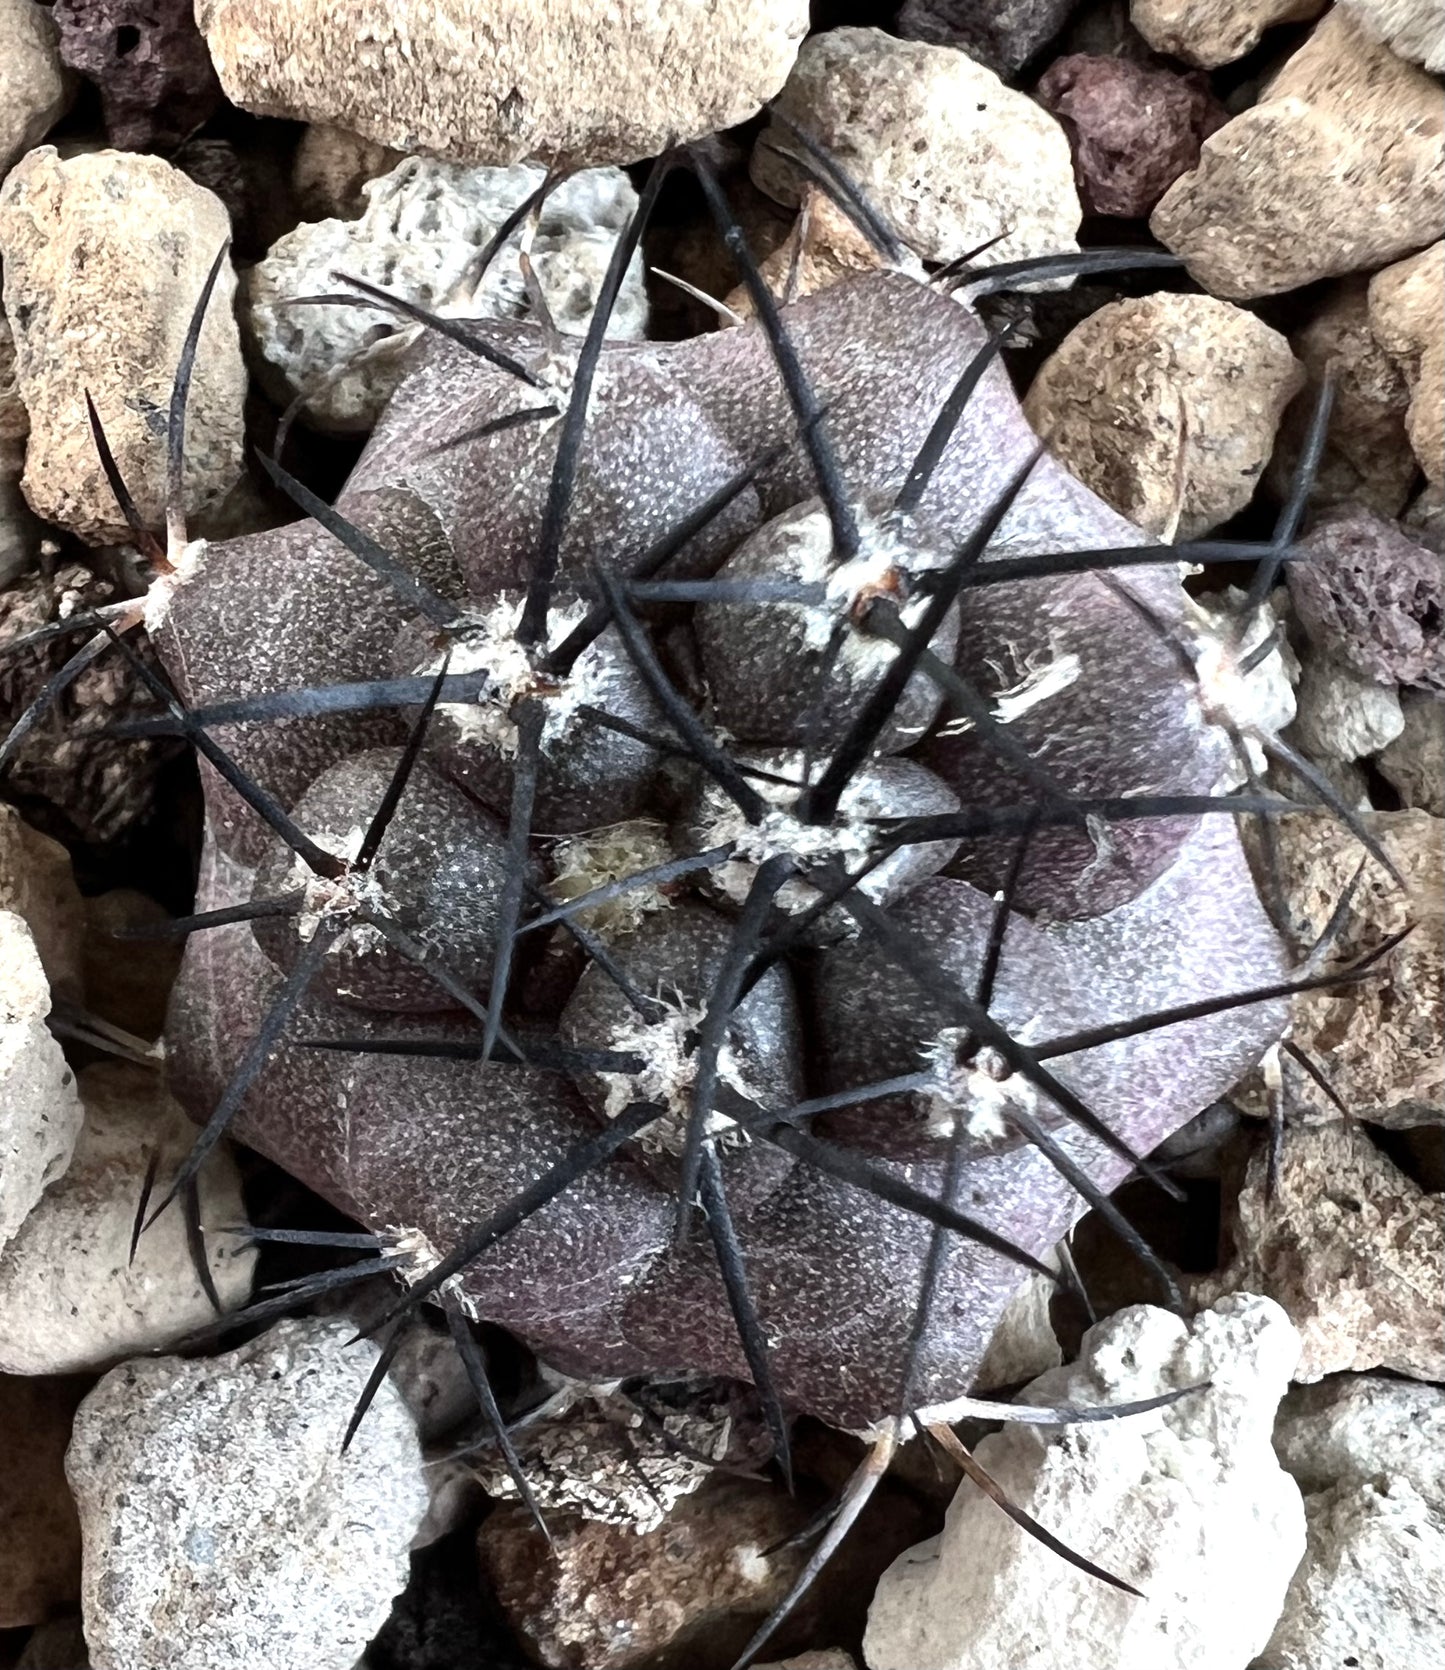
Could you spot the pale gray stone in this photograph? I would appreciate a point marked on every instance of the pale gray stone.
(34, 88)
(1413, 28)
(1214, 32)
(1415, 761)
(1342, 715)
(1354, 1428)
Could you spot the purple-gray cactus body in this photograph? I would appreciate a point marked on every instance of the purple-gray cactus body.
(1110, 925)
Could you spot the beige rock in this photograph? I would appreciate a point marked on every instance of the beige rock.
(1415, 29)
(104, 259)
(128, 982)
(1024, 1344)
(1350, 1246)
(1341, 715)
(1367, 457)
(34, 88)
(1351, 1428)
(70, 1296)
(824, 247)
(1338, 169)
(36, 883)
(1407, 315)
(39, 1531)
(1415, 761)
(1381, 1041)
(330, 168)
(1167, 406)
(40, 1111)
(499, 80)
(1213, 32)
(950, 156)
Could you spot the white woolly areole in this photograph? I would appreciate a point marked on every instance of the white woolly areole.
(1260, 702)
(1040, 681)
(849, 838)
(984, 1091)
(584, 862)
(324, 896)
(489, 645)
(669, 1071)
(803, 549)
(165, 585)
(422, 1257)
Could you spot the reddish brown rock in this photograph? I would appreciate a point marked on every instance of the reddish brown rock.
(1134, 129)
(1373, 597)
(156, 81)
(39, 1530)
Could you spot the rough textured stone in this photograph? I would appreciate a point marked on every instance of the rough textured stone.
(1407, 319)
(1353, 1428)
(40, 1112)
(150, 63)
(1367, 458)
(1338, 169)
(1024, 1344)
(1415, 29)
(1371, 596)
(222, 1524)
(1167, 407)
(1383, 1041)
(419, 236)
(824, 247)
(39, 1533)
(946, 152)
(1188, 1503)
(830, 1659)
(1134, 128)
(36, 883)
(1003, 35)
(489, 82)
(34, 89)
(1414, 763)
(1370, 1592)
(330, 168)
(1342, 715)
(1214, 32)
(104, 258)
(1350, 1246)
(71, 1298)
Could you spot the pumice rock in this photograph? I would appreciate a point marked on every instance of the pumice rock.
(479, 82)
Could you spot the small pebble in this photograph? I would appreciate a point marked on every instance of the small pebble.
(1407, 318)
(1213, 32)
(34, 88)
(1414, 763)
(1343, 715)
(1002, 35)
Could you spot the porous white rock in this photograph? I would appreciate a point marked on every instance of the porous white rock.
(1371, 1590)
(1350, 1246)
(1187, 1502)
(223, 1527)
(1213, 32)
(40, 1111)
(1342, 716)
(951, 157)
(71, 1297)
(498, 80)
(1408, 320)
(1167, 406)
(424, 225)
(1414, 763)
(104, 258)
(1338, 169)
(1413, 28)
(1353, 1428)
(34, 88)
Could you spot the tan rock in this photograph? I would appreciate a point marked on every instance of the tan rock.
(1414, 763)
(39, 1530)
(1167, 406)
(824, 247)
(1351, 1247)
(499, 80)
(1381, 1041)
(1407, 315)
(104, 258)
(40, 1111)
(1367, 457)
(1413, 28)
(330, 168)
(1214, 32)
(1342, 715)
(1338, 169)
(71, 1298)
(36, 882)
(35, 91)
(949, 156)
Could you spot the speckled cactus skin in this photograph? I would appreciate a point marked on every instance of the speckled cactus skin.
(1166, 914)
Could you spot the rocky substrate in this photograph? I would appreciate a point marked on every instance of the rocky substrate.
(172, 1495)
